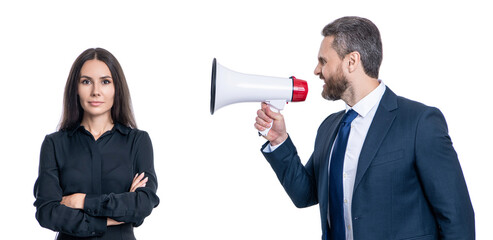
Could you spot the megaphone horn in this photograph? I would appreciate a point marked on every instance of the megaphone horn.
(228, 87)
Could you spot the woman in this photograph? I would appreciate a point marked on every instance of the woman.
(96, 174)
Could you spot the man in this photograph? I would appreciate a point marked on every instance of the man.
(384, 168)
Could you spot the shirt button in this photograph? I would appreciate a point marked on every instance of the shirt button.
(349, 227)
(345, 200)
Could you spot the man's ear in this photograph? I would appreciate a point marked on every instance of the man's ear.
(354, 61)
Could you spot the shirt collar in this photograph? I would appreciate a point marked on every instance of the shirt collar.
(364, 106)
(122, 129)
(72, 131)
(119, 127)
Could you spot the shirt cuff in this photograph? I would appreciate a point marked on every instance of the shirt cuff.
(269, 148)
(99, 224)
(92, 204)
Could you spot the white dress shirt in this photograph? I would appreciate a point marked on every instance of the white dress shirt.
(366, 109)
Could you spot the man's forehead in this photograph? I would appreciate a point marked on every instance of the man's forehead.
(327, 41)
(326, 44)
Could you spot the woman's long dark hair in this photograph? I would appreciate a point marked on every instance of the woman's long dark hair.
(121, 111)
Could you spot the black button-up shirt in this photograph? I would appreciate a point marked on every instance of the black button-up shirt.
(73, 161)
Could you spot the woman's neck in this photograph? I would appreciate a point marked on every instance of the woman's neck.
(97, 125)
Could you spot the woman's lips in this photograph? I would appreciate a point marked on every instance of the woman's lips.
(95, 103)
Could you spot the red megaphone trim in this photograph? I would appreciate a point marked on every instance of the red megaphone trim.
(300, 90)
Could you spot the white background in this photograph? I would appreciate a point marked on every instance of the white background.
(213, 180)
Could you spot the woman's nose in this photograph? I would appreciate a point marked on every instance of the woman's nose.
(96, 90)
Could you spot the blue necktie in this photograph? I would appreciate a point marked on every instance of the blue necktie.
(336, 195)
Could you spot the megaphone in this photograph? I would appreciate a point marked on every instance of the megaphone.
(228, 87)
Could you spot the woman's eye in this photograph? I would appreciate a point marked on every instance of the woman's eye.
(106, 82)
(85, 81)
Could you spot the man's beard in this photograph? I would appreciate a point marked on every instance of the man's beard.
(335, 86)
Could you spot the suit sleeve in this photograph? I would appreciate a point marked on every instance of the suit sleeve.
(442, 178)
(297, 180)
(130, 207)
(48, 193)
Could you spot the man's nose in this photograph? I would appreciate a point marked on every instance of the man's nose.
(317, 70)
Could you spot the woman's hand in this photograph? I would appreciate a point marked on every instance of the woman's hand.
(75, 200)
(112, 222)
(139, 181)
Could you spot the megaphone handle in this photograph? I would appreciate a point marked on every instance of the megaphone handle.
(266, 131)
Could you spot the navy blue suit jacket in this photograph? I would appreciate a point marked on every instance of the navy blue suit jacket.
(409, 184)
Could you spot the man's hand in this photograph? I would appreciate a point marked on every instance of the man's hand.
(75, 200)
(266, 118)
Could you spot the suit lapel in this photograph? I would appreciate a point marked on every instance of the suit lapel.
(379, 127)
(330, 134)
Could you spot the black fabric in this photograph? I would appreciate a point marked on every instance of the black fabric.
(73, 162)
(123, 232)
